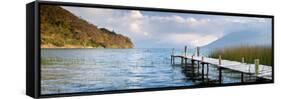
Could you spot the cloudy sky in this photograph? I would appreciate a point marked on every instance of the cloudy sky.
(149, 29)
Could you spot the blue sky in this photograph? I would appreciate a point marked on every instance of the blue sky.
(149, 29)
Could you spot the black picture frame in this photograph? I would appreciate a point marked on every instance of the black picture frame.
(33, 46)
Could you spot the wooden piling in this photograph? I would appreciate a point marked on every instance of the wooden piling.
(220, 75)
(220, 71)
(172, 56)
(198, 66)
(185, 61)
(202, 72)
(207, 72)
(181, 60)
(257, 66)
(198, 51)
(202, 67)
(192, 69)
(185, 49)
(171, 59)
(219, 59)
(242, 77)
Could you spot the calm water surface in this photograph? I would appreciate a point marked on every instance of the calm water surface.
(90, 70)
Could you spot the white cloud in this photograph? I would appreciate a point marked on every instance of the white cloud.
(134, 27)
(135, 21)
(191, 20)
(136, 14)
(179, 19)
(145, 34)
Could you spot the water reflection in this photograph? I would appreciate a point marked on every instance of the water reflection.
(90, 70)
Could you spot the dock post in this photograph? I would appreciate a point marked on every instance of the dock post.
(257, 66)
(203, 72)
(220, 71)
(220, 75)
(219, 59)
(181, 60)
(172, 56)
(185, 61)
(242, 77)
(198, 66)
(171, 59)
(202, 63)
(242, 74)
(185, 48)
(198, 51)
(207, 72)
(192, 68)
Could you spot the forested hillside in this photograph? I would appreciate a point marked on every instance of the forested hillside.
(61, 29)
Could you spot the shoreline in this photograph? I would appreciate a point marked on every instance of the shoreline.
(49, 46)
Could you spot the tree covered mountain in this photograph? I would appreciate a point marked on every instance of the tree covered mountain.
(61, 29)
(239, 38)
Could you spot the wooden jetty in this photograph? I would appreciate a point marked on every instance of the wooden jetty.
(256, 70)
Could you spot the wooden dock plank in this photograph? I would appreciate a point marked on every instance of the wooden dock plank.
(263, 72)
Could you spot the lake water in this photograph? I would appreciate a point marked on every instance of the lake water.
(91, 70)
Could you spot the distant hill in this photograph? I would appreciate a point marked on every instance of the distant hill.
(61, 29)
(240, 38)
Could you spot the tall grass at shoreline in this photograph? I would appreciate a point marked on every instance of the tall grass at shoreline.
(250, 53)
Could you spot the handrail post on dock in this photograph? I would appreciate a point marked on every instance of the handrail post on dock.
(220, 71)
(171, 59)
(182, 60)
(185, 53)
(173, 51)
(257, 66)
(198, 51)
(220, 75)
(185, 48)
(242, 74)
(242, 77)
(202, 63)
(207, 72)
(185, 61)
(192, 68)
(198, 66)
(219, 59)
(172, 56)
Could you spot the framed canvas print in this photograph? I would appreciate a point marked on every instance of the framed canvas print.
(85, 49)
